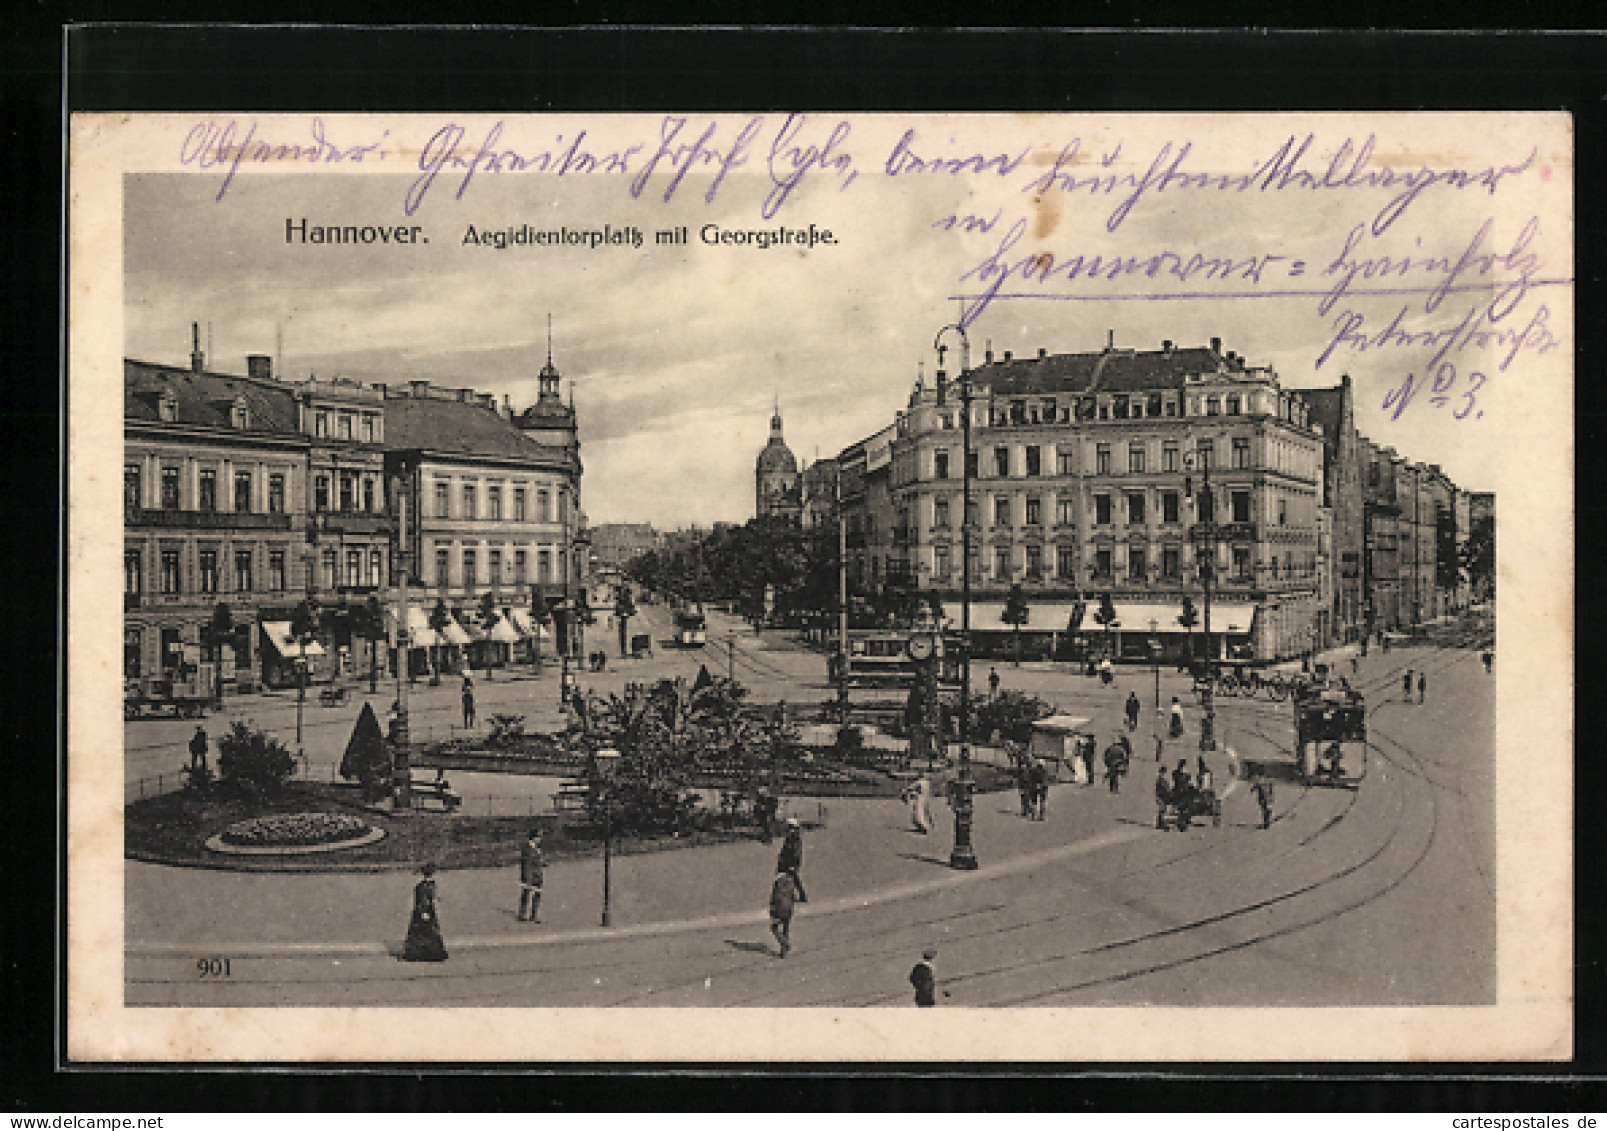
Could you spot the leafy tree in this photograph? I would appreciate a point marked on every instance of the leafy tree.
(540, 617)
(1015, 615)
(1478, 555)
(1188, 619)
(624, 609)
(1012, 714)
(253, 762)
(439, 619)
(368, 620)
(490, 616)
(303, 630)
(1106, 617)
(366, 759)
(218, 634)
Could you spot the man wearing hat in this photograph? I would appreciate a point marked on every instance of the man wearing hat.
(532, 868)
(791, 859)
(924, 980)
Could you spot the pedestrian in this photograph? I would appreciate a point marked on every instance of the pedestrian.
(1422, 685)
(1177, 718)
(468, 702)
(198, 751)
(1040, 789)
(1115, 766)
(764, 812)
(1180, 779)
(784, 894)
(1406, 685)
(924, 980)
(1489, 660)
(424, 942)
(1163, 796)
(1203, 778)
(1133, 708)
(1353, 665)
(918, 794)
(532, 870)
(1364, 647)
(1107, 674)
(791, 858)
(1263, 797)
(1160, 748)
(993, 683)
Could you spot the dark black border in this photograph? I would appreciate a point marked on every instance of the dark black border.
(134, 67)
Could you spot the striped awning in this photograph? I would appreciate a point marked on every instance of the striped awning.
(279, 635)
(988, 616)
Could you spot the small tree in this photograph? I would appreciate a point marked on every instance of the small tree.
(439, 619)
(366, 759)
(1015, 615)
(1188, 619)
(253, 762)
(219, 632)
(624, 609)
(540, 617)
(490, 616)
(1106, 617)
(368, 620)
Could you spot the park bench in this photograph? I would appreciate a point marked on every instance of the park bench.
(571, 795)
(438, 791)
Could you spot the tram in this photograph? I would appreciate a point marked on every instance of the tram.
(880, 658)
(691, 628)
(1326, 719)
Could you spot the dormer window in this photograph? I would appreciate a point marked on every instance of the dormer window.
(239, 414)
(168, 407)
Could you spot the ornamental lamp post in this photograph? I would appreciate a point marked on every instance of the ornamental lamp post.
(604, 763)
(1155, 657)
(964, 855)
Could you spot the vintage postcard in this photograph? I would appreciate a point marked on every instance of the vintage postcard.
(704, 588)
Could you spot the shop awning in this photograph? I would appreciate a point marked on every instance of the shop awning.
(1061, 724)
(1236, 620)
(420, 634)
(503, 632)
(279, 635)
(988, 616)
(1132, 616)
(454, 633)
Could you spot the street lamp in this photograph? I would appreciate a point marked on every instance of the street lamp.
(964, 855)
(1206, 528)
(603, 764)
(1155, 657)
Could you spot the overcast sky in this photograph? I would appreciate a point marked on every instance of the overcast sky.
(676, 354)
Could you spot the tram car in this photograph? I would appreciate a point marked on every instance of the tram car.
(691, 627)
(1327, 720)
(880, 658)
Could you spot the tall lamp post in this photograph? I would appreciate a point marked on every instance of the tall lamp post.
(1155, 658)
(400, 736)
(1206, 521)
(964, 855)
(603, 763)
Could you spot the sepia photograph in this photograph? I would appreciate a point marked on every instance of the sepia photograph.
(698, 586)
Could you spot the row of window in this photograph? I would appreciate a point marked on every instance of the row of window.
(1103, 565)
(1032, 463)
(206, 490)
(210, 576)
(1136, 506)
(368, 427)
(357, 492)
(469, 503)
(1118, 406)
(495, 562)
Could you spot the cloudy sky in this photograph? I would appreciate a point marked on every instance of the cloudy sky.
(676, 354)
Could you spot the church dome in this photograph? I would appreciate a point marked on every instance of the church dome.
(778, 457)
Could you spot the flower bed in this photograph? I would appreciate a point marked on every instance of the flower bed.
(295, 830)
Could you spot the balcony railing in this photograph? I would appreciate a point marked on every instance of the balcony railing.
(205, 520)
(1224, 531)
(353, 522)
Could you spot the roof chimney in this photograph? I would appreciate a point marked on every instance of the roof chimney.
(419, 389)
(1042, 353)
(1216, 345)
(1110, 339)
(197, 358)
(1007, 355)
(259, 365)
(987, 354)
(507, 406)
(1166, 345)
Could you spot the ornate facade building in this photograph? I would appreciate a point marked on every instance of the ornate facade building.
(1116, 474)
(777, 489)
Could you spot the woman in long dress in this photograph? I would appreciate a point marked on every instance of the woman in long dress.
(424, 942)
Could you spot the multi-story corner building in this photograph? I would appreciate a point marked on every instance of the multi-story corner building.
(214, 513)
(350, 529)
(1118, 473)
(492, 499)
(819, 494)
(1332, 412)
(864, 474)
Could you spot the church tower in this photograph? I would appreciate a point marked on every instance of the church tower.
(776, 490)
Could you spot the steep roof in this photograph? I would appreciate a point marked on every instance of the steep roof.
(1118, 371)
(1327, 408)
(457, 428)
(776, 456)
(206, 399)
